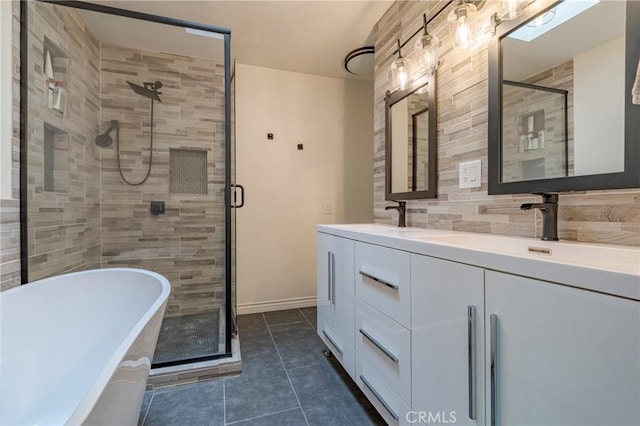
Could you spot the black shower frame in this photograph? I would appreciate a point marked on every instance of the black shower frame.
(24, 254)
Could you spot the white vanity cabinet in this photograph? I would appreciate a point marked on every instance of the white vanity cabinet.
(442, 333)
(447, 347)
(561, 356)
(335, 285)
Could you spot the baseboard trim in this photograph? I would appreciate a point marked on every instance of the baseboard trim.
(276, 305)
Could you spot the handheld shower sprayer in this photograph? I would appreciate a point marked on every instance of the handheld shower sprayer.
(105, 140)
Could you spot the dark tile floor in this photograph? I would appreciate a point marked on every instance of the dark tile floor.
(285, 381)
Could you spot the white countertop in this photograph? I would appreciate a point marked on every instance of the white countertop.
(606, 268)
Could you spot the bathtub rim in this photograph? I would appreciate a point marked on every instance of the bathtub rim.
(81, 411)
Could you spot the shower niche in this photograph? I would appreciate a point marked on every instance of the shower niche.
(56, 72)
(55, 159)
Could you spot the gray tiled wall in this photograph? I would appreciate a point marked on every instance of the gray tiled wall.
(186, 244)
(64, 224)
(462, 100)
(10, 208)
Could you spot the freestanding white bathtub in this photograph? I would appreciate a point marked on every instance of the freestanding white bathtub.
(77, 348)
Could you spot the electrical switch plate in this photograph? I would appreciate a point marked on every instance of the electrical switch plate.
(328, 207)
(470, 174)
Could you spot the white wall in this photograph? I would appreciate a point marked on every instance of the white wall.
(599, 109)
(5, 98)
(286, 189)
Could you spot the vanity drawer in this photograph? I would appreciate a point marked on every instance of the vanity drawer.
(390, 406)
(383, 280)
(386, 346)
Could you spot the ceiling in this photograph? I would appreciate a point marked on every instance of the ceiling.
(304, 36)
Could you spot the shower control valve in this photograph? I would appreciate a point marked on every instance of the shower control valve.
(157, 207)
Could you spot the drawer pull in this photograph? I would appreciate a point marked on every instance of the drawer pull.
(332, 342)
(377, 344)
(378, 280)
(379, 398)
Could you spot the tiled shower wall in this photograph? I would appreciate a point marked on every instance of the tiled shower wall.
(10, 208)
(186, 244)
(98, 221)
(64, 224)
(519, 102)
(462, 102)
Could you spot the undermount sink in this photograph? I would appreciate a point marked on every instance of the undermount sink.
(559, 251)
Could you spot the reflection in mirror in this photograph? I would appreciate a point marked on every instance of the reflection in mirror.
(409, 143)
(563, 94)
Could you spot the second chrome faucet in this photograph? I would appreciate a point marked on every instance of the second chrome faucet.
(549, 210)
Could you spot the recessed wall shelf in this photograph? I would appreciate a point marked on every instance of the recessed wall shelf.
(56, 76)
(55, 158)
(188, 170)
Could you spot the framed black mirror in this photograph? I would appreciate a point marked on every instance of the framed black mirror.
(410, 136)
(561, 115)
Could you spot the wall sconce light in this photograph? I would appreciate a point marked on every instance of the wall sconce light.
(463, 22)
(401, 71)
(427, 50)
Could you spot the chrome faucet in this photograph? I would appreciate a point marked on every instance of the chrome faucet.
(549, 210)
(402, 212)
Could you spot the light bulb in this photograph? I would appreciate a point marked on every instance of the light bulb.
(463, 21)
(463, 32)
(427, 50)
(401, 73)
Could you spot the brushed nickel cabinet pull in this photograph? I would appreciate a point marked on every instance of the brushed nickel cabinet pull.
(338, 348)
(379, 345)
(494, 367)
(379, 398)
(378, 280)
(471, 356)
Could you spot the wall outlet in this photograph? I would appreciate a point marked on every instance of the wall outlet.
(328, 207)
(470, 174)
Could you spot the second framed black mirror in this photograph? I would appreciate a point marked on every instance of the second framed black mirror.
(561, 109)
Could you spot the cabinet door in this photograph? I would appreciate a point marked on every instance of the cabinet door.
(343, 300)
(335, 284)
(563, 356)
(324, 265)
(447, 347)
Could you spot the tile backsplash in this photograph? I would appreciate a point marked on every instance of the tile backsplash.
(611, 216)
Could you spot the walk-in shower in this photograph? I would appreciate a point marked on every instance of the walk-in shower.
(147, 123)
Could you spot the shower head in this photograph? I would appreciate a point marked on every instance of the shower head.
(105, 140)
(150, 89)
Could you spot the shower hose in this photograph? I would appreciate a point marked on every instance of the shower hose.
(150, 154)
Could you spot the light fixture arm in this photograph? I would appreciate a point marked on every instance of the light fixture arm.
(495, 21)
(399, 52)
(423, 27)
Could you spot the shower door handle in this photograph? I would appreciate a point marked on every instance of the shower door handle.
(235, 198)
